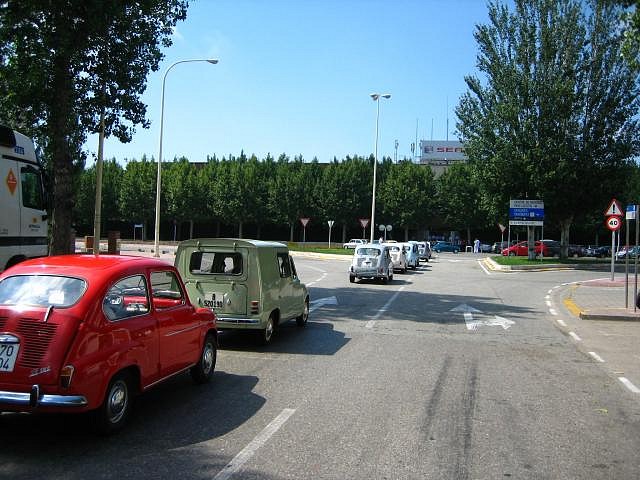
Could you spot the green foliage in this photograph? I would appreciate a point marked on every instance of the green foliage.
(555, 118)
(63, 65)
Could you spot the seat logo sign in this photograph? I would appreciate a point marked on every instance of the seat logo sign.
(12, 182)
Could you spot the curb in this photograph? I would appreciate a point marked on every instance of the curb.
(613, 314)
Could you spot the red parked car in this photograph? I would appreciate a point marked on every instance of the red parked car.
(87, 333)
(521, 249)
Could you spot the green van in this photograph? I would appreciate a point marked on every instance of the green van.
(249, 284)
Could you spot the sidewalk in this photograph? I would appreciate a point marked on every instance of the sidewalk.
(600, 299)
(603, 300)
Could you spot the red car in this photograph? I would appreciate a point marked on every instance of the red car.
(86, 333)
(521, 249)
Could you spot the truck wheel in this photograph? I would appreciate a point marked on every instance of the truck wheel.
(202, 371)
(301, 321)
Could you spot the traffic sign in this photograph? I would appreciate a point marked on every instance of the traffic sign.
(631, 212)
(304, 221)
(615, 208)
(613, 223)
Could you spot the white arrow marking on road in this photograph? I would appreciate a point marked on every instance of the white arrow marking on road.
(474, 324)
(321, 302)
(463, 307)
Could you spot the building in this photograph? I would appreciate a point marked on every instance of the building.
(441, 154)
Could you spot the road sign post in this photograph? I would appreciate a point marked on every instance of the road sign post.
(330, 222)
(304, 222)
(613, 223)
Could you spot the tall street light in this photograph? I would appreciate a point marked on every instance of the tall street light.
(159, 181)
(376, 98)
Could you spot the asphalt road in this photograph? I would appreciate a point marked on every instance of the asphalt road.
(448, 372)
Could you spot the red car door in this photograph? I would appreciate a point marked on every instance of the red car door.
(178, 326)
(128, 319)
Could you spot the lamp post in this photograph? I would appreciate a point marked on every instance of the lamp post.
(159, 181)
(376, 98)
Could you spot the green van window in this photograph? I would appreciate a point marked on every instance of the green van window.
(216, 263)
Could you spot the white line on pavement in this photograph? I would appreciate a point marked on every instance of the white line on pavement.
(247, 452)
(629, 385)
(575, 336)
(553, 311)
(561, 322)
(597, 357)
(318, 280)
(483, 267)
(372, 322)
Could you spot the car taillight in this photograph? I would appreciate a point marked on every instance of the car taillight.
(65, 376)
(255, 307)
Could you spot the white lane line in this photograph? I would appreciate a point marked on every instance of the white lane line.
(549, 304)
(318, 280)
(575, 336)
(553, 311)
(372, 322)
(247, 452)
(483, 267)
(597, 357)
(629, 385)
(561, 322)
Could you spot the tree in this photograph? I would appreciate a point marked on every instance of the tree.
(555, 120)
(65, 67)
(138, 192)
(405, 192)
(86, 195)
(460, 199)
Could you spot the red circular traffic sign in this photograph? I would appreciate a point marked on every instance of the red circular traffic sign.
(613, 223)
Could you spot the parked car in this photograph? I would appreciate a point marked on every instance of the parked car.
(86, 333)
(371, 261)
(445, 247)
(411, 253)
(600, 252)
(250, 284)
(576, 251)
(552, 248)
(631, 251)
(485, 248)
(497, 247)
(353, 243)
(398, 257)
(521, 249)
(424, 251)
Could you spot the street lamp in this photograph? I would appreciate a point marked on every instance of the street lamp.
(159, 181)
(376, 98)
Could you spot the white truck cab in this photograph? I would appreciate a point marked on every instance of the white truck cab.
(23, 222)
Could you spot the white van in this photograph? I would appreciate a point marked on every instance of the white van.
(23, 223)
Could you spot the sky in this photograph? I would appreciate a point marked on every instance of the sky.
(294, 77)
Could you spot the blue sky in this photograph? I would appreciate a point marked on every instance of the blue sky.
(294, 77)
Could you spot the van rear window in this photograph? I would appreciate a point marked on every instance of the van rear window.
(216, 263)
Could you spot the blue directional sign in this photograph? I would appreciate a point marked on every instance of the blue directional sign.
(526, 212)
(631, 212)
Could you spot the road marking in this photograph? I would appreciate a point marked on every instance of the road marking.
(549, 304)
(561, 322)
(480, 262)
(247, 452)
(572, 307)
(597, 357)
(322, 277)
(372, 322)
(553, 311)
(575, 336)
(629, 385)
(321, 302)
